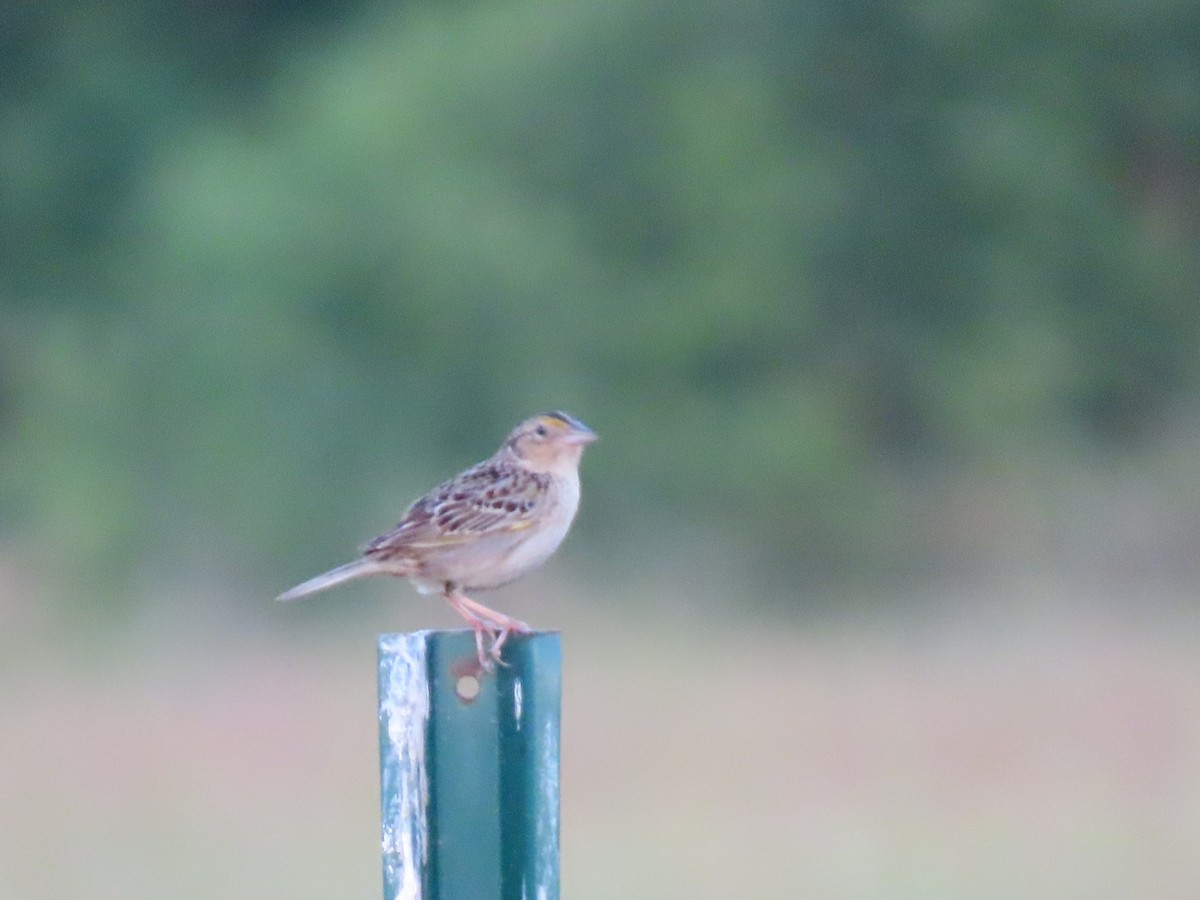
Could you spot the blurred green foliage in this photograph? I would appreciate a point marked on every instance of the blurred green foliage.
(268, 270)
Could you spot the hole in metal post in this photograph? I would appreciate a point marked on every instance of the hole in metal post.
(467, 688)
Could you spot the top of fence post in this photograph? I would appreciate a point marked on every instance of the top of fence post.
(469, 767)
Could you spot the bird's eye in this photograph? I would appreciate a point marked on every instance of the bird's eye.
(540, 431)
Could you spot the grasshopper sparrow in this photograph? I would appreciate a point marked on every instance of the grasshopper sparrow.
(484, 528)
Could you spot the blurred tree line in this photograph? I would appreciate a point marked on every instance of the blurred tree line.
(268, 270)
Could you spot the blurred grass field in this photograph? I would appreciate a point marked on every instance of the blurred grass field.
(1046, 748)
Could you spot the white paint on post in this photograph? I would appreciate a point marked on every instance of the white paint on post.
(518, 695)
(404, 714)
(546, 827)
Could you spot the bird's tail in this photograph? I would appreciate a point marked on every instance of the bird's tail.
(348, 572)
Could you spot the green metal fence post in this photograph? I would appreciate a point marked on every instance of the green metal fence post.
(469, 768)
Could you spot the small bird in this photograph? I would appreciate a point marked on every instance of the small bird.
(483, 528)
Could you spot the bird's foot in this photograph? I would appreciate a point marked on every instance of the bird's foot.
(482, 618)
(504, 627)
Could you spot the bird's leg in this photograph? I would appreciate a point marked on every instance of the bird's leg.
(504, 625)
(459, 602)
(493, 617)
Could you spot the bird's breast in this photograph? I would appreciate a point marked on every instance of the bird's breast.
(534, 545)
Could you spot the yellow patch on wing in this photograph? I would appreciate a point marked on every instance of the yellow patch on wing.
(451, 539)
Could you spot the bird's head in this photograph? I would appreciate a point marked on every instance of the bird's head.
(552, 442)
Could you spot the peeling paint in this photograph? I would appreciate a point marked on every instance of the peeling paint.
(546, 827)
(518, 696)
(404, 717)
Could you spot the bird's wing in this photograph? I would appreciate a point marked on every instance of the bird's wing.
(489, 499)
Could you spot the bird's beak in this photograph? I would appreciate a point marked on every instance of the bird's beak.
(580, 434)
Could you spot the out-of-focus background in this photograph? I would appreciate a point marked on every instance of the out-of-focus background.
(884, 583)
